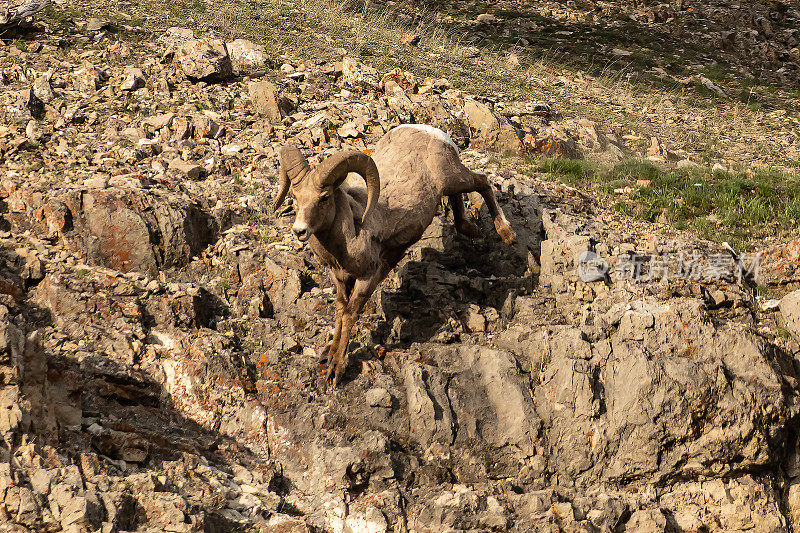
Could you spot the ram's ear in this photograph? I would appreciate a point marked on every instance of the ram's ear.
(293, 169)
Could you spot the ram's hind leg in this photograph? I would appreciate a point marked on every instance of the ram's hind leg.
(469, 181)
(462, 223)
(501, 224)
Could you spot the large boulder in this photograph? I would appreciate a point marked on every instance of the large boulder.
(790, 310)
(123, 228)
(491, 130)
(246, 53)
(204, 59)
(665, 375)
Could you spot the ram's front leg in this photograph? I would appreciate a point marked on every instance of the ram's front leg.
(342, 296)
(362, 290)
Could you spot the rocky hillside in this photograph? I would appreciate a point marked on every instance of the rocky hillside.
(160, 328)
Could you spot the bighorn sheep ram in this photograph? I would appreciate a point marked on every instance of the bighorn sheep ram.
(362, 233)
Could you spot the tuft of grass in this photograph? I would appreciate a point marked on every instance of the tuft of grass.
(63, 18)
(738, 207)
(573, 171)
(635, 169)
(623, 208)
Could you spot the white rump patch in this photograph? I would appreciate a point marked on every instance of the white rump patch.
(430, 130)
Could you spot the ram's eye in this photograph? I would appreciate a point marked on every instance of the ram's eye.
(324, 196)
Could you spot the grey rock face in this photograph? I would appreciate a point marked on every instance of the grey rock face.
(602, 407)
(160, 328)
(429, 407)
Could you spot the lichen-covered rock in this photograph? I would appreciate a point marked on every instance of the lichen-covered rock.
(87, 79)
(358, 75)
(204, 59)
(126, 229)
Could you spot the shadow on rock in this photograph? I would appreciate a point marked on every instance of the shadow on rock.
(451, 285)
(99, 443)
(96, 436)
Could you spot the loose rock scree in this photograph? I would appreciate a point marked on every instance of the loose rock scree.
(361, 233)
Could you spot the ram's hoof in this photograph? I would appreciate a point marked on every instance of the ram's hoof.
(508, 235)
(335, 372)
(465, 227)
(333, 377)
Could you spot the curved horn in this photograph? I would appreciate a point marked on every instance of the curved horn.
(293, 169)
(282, 191)
(334, 170)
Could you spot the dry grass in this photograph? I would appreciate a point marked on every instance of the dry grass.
(705, 128)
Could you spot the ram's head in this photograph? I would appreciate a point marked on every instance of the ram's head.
(313, 189)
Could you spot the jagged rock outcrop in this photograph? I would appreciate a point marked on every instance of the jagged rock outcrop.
(160, 329)
(123, 228)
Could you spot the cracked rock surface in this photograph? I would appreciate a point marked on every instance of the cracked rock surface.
(160, 328)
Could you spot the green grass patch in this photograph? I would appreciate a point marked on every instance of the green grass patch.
(742, 208)
(715, 72)
(574, 171)
(63, 17)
